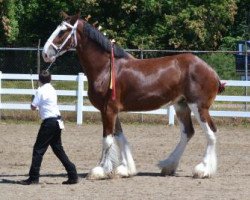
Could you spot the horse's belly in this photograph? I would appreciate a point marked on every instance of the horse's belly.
(145, 103)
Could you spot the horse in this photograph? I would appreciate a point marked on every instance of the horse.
(119, 82)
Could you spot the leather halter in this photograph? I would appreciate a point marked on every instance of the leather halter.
(58, 49)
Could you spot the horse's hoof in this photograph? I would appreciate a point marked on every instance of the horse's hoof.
(201, 171)
(167, 172)
(121, 171)
(96, 173)
(168, 168)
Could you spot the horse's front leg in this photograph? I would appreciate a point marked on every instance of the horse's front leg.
(127, 166)
(111, 155)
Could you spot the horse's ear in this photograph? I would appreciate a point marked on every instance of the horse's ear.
(64, 15)
(75, 17)
(78, 15)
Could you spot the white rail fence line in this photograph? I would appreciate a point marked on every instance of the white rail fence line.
(80, 93)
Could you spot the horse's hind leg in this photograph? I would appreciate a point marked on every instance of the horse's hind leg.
(208, 165)
(127, 167)
(183, 114)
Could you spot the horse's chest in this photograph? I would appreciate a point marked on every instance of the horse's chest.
(97, 96)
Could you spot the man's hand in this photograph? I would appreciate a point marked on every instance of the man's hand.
(32, 107)
(32, 97)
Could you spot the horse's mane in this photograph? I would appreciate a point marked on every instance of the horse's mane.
(104, 42)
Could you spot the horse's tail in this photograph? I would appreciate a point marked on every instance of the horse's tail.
(221, 87)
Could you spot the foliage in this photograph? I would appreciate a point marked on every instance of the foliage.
(145, 24)
(10, 13)
(240, 29)
(224, 64)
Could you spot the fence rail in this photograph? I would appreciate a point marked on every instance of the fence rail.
(80, 93)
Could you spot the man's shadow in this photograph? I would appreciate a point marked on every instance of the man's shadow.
(4, 180)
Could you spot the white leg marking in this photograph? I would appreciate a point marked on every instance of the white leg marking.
(208, 166)
(127, 167)
(109, 161)
(170, 164)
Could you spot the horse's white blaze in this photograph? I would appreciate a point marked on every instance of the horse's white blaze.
(48, 49)
(127, 167)
(209, 164)
(170, 164)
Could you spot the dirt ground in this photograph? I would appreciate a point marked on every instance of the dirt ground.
(149, 143)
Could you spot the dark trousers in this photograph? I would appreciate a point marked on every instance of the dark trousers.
(50, 134)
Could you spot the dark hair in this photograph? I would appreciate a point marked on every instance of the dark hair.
(104, 42)
(44, 77)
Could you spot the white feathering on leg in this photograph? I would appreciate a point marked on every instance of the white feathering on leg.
(110, 160)
(111, 154)
(208, 166)
(127, 168)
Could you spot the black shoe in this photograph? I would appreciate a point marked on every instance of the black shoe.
(70, 181)
(29, 181)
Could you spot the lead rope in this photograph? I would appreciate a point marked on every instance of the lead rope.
(113, 72)
(49, 66)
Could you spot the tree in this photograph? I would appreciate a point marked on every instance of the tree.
(160, 24)
(10, 12)
(240, 29)
(147, 24)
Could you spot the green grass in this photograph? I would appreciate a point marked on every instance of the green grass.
(59, 85)
(71, 85)
(92, 117)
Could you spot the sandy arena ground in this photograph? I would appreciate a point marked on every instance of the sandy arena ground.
(149, 143)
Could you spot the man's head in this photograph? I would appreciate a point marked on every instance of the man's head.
(44, 77)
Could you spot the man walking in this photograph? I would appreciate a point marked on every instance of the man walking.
(49, 133)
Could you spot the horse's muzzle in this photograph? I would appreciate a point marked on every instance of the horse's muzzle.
(48, 59)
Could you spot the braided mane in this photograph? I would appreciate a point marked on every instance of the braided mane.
(104, 42)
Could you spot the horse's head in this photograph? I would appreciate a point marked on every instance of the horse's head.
(62, 39)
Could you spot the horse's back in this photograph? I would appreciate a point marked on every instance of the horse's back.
(178, 75)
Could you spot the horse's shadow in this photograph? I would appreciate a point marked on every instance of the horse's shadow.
(3, 179)
(155, 174)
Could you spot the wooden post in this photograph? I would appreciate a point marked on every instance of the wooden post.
(246, 70)
(38, 59)
(171, 113)
(0, 95)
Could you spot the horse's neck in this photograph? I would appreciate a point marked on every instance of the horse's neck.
(94, 60)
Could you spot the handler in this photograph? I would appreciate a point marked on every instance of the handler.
(49, 133)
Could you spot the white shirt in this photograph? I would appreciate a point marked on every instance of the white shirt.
(46, 100)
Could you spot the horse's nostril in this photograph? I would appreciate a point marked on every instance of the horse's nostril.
(45, 55)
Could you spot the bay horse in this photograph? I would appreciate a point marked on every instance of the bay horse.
(183, 80)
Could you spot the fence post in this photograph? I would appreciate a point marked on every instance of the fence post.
(171, 115)
(141, 54)
(0, 94)
(80, 98)
(246, 70)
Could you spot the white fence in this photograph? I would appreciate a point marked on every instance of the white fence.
(80, 93)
